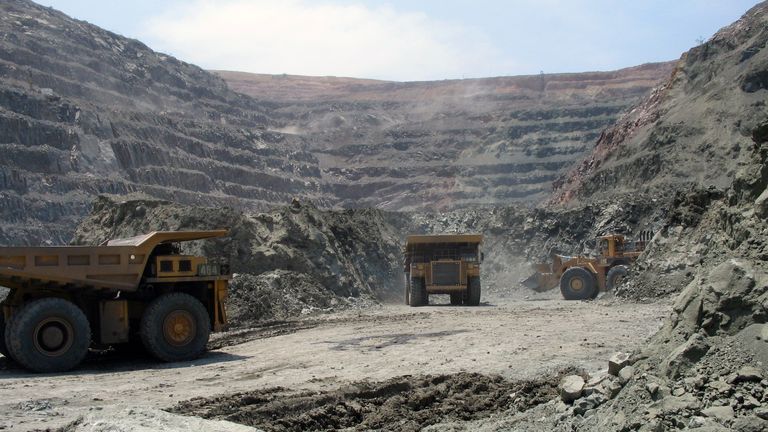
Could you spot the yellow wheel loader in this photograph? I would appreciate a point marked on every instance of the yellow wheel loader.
(583, 277)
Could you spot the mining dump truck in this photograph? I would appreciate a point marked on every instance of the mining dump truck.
(443, 264)
(581, 277)
(65, 300)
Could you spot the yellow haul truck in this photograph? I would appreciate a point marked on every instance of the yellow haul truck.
(443, 264)
(63, 300)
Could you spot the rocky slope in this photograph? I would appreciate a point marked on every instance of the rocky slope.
(289, 261)
(697, 128)
(84, 111)
(448, 144)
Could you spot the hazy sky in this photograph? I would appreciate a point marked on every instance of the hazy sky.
(413, 40)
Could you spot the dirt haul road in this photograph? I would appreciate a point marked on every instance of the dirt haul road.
(517, 340)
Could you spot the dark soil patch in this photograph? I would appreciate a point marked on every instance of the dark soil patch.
(404, 403)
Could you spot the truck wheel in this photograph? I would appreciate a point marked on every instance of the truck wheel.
(175, 327)
(473, 292)
(3, 346)
(456, 299)
(577, 283)
(49, 335)
(615, 276)
(407, 290)
(418, 293)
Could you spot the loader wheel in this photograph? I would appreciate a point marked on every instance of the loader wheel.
(473, 292)
(577, 283)
(418, 293)
(175, 327)
(3, 346)
(615, 276)
(457, 299)
(49, 335)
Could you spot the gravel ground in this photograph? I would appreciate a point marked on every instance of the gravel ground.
(519, 340)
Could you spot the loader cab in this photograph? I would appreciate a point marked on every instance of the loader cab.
(610, 246)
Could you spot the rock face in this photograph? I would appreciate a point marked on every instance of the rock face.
(84, 111)
(448, 144)
(700, 127)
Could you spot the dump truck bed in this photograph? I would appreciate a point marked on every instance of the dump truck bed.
(117, 265)
(443, 238)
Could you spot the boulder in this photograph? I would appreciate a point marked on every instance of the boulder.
(685, 355)
(746, 374)
(762, 413)
(761, 204)
(750, 424)
(582, 405)
(720, 386)
(571, 388)
(626, 374)
(720, 413)
(612, 389)
(617, 362)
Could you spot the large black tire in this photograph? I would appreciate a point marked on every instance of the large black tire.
(49, 335)
(578, 283)
(3, 346)
(175, 327)
(473, 292)
(418, 293)
(615, 276)
(6, 336)
(407, 289)
(457, 299)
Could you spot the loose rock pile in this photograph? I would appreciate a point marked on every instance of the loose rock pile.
(289, 262)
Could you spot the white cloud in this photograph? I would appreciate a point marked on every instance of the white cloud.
(321, 38)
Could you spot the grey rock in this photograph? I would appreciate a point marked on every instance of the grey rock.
(761, 204)
(720, 386)
(685, 355)
(582, 405)
(762, 413)
(720, 413)
(613, 388)
(652, 388)
(675, 404)
(678, 391)
(571, 388)
(746, 374)
(750, 424)
(750, 402)
(617, 362)
(626, 374)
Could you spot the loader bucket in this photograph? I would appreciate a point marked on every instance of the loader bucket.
(542, 280)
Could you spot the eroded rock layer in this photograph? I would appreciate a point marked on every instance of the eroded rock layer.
(84, 111)
(448, 144)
